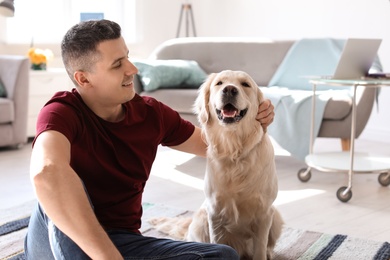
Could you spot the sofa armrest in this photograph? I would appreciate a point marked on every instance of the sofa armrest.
(14, 73)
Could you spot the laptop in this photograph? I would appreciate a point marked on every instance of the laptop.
(356, 59)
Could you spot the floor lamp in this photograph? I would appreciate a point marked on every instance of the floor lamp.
(7, 8)
(187, 10)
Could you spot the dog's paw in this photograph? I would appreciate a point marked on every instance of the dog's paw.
(270, 254)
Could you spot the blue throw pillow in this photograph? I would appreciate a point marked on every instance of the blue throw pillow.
(3, 91)
(155, 74)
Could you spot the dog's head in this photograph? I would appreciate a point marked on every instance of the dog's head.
(227, 98)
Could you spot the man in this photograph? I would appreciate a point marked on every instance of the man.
(93, 153)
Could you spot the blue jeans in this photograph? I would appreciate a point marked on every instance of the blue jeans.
(45, 241)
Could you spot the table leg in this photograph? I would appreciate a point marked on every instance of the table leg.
(352, 150)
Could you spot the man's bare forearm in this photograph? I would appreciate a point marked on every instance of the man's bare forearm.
(64, 200)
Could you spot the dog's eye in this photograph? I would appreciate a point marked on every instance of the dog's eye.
(219, 83)
(245, 84)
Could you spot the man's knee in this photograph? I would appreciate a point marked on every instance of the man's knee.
(227, 252)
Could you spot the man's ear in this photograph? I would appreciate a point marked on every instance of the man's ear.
(81, 78)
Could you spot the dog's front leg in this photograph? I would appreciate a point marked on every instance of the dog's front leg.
(199, 228)
(260, 241)
(215, 227)
(211, 227)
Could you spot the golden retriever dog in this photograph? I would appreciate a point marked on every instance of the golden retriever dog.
(240, 180)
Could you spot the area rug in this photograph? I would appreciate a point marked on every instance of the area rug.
(293, 244)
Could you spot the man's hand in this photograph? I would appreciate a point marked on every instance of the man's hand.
(266, 114)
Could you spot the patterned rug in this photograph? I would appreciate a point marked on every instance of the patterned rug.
(293, 244)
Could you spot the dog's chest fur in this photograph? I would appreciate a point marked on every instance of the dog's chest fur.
(234, 176)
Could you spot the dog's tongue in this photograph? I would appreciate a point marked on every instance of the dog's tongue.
(229, 111)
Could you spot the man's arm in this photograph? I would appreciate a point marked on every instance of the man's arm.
(63, 198)
(195, 144)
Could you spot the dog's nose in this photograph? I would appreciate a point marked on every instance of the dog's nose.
(230, 90)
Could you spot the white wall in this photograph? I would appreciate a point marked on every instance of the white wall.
(157, 21)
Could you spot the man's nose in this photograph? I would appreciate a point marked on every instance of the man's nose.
(131, 68)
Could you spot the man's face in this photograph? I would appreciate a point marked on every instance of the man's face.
(112, 75)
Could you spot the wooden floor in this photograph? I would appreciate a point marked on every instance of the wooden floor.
(176, 180)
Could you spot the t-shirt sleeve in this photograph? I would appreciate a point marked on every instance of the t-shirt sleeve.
(58, 117)
(177, 129)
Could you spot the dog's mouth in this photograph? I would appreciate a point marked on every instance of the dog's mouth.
(230, 114)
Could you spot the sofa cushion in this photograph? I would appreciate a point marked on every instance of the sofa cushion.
(181, 100)
(7, 112)
(3, 92)
(156, 74)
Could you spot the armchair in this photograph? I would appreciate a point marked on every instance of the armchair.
(14, 76)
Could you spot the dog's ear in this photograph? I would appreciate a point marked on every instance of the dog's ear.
(201, 107)
(260, 96)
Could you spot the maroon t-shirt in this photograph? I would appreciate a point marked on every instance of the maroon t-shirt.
(114, 159)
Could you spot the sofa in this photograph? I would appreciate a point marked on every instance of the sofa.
(14, 87)
(262, 59)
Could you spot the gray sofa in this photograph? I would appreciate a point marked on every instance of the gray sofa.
(14, 75)
(260, 59)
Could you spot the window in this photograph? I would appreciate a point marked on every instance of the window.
(46, 21)
(91, 16)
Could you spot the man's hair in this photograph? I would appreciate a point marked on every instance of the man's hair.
(79, 45)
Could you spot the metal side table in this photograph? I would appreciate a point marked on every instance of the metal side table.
(350, 162)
